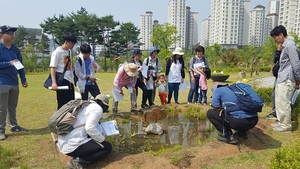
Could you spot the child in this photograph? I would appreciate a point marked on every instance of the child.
(149, 81)
(202, 85)
(162, 86)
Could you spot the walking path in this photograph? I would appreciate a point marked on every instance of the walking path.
(267, 81)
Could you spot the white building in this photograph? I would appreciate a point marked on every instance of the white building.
(228, 23)
(205, 32)
(177, 17)
(256, 36)
(146, 27)
(289, 15)
(273, 12)
(191, 37)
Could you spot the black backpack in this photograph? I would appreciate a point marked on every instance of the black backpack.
(75, 78)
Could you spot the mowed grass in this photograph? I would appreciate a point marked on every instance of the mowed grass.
(35, 149)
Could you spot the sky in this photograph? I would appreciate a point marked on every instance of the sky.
(31, 13)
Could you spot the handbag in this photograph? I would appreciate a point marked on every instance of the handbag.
(59, 80)
(275, 69)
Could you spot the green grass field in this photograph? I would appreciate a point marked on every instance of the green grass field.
(35, 148)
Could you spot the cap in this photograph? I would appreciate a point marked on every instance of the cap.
(216, 85)
(131, 69)
(138, 52)
(178, 51)
(6, 28)
(103, 98)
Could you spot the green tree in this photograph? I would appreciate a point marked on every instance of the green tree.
(230, 57)
(20, 37)
(213, 54)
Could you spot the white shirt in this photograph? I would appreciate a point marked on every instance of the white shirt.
(90, 116)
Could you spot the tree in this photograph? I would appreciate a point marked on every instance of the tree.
(20, 37)
(213, 54)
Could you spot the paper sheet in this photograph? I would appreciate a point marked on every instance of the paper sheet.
(117, 95)
(145, 70)
(183, 86)
(109, 128)
(295, 95)
(18, 65)
(60, 88)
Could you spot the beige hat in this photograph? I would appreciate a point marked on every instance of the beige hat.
(131, 69)
(178, 51)
(103, 98)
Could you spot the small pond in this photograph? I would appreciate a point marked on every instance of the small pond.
(177, 131)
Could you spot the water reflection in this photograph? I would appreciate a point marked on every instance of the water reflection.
(178, 131)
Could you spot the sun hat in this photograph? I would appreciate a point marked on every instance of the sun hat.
(153, 49)
(6, 28)
(216, 85)
(178, 51)
(131, 69)
(103, 98)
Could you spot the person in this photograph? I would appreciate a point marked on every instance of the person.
(85, 68)
(86, 144)
(288, 78)
(9, 85)
(202, 85)
(223, 121)
(154, 65)
(162, 86)
(125, 77)
(137, 53)
(273, 115)
(60, 61)
(195, 62)
(175, 73)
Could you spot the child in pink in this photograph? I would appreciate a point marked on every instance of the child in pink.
(202, 86)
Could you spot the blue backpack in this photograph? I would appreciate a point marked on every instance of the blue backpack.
(247, 99)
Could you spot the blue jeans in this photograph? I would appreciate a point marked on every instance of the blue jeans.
(202, 94)
(173, 87)
(93, 89)
(193, 93)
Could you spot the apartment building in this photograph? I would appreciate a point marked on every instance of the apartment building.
(146, 27)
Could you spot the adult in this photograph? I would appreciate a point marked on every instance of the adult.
(136, 59)
(195, 62)
(277, 53)
(86, 144)
(152, 62)
(223, 121)
(61, 62)
(175, 73)
(125, 77)
(10, 55)
(288, 78)
(85, 69)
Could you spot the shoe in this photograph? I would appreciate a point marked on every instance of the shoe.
(271, 116)
(231, 139)
(242, 134)
(18, 129)
(76, 164)
(145, 106)
(282, 129)
(275, 124)
(2, 136)
(177, 103)
(134, 109)
(204, 104)
(168, 102)
(188, 103)
(223, 139)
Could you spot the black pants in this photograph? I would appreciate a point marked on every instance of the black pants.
(142, 86)
(92, 151)
(150, 97)
(225, 126)
(64, 96)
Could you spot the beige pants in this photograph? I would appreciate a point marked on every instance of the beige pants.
(283, 95)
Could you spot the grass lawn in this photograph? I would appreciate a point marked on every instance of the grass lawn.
(35, 148)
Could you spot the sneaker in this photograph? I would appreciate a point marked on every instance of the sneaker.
(275, 125)
(188, 103)
(231, 139)
(145, 106)
(223, 139)
(2, 136)
(271, 116)
(282, 129)
(204, 104)
(134, 109)
(18, 129)
(241, 134)
(177, 103)
(76, 164)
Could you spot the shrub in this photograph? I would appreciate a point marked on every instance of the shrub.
(287, 157)
(266, 94)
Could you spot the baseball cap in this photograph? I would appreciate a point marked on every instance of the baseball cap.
(138, 52)
(103, 98)
(6, 28)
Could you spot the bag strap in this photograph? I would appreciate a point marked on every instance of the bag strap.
(66, 66)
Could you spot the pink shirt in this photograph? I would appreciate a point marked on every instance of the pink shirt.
(122, 79)
(203, 82)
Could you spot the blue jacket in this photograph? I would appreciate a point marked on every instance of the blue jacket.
(224, 94)
(8, 73)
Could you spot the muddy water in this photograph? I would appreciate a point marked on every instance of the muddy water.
(177, 131)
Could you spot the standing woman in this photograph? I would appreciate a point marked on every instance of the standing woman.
(175, 73)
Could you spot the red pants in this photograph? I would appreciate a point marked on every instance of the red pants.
(163, 98)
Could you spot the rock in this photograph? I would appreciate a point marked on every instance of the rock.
(154, 114)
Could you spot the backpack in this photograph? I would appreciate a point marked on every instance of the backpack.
(61, 122)
(247, 99)
(75, 78)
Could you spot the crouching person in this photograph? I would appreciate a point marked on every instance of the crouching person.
(224, 122)
(86, 144)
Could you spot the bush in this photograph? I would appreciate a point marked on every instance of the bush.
(265, 69)
(266, 94)
(287, 157)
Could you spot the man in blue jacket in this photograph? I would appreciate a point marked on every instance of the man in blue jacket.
(10, 56)
(224, 122)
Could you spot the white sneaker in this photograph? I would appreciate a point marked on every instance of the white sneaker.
(282, 129)
(275, 124)
(2, 136)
